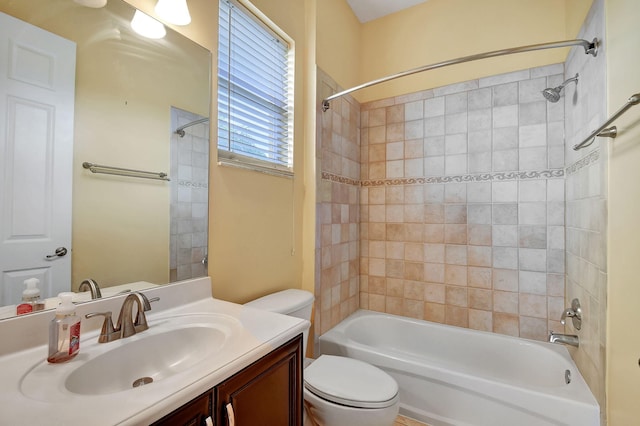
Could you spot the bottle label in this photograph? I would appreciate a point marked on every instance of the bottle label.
(24, 308)
(74, 338)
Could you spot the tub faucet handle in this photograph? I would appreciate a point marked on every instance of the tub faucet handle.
(575, 313)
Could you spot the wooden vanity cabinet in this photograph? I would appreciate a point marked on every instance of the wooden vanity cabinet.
(193, 413)
(267, 392)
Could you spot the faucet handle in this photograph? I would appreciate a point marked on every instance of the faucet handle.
(567, 313)
(141, 319)
(108, 332)
(146, 302)
(575, 313)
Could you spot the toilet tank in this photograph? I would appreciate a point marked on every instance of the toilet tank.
(292, 302)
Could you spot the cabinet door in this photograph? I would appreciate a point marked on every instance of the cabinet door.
(268, 392)
(194, 413)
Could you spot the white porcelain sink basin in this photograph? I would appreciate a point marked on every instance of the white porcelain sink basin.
(170, 346)
(146, 360)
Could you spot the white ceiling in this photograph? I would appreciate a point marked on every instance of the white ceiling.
(368, 10)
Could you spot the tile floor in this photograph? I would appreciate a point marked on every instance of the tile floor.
(406, 421)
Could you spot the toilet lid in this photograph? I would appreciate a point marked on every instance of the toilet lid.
(350, 382)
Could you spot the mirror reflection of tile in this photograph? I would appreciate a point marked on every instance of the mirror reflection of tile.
(189, 197)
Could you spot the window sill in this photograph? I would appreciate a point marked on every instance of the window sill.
(226, 162)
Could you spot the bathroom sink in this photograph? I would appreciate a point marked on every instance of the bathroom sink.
(169, 347)
(145, 360)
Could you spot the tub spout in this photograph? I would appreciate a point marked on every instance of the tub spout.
(567, 339)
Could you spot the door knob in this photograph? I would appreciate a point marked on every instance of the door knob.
(60, 252)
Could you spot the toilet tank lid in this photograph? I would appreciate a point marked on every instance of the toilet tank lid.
(283, 302)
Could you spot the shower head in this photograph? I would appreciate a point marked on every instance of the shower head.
(552, 94)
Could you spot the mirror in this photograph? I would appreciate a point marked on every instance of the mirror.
(131, 94)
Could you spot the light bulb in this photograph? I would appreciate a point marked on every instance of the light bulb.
(174, 11)
(146, 26)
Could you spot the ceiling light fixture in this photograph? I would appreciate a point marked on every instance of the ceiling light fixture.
(173, 11)
(146, 26)
(96, 4)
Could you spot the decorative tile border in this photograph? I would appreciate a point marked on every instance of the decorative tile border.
(192, 184)
(340, 179)
(482, 177)
(583, 162)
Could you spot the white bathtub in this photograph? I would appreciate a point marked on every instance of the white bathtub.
(455, 376)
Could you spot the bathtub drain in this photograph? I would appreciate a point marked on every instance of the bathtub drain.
(567, 376)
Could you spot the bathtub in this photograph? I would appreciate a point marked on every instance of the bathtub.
(455, 376)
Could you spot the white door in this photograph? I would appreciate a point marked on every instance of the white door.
(37, 86)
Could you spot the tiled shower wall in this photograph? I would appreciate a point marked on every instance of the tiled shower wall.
(462, 204)
(189, 174)
(338, 212)
(586, 171)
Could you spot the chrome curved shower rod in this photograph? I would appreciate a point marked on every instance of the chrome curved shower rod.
(180, 130)
(590, 48)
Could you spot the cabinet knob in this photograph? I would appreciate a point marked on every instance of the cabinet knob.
(208, 421)
(230, 415)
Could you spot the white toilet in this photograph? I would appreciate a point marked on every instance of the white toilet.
(337, 390)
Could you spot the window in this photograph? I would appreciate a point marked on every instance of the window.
(255, 114)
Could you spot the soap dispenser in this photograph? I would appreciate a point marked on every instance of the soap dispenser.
(64, 331)
(30, 297)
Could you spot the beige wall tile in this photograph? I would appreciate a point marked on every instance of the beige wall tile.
(414, 290)
(414, 308)
(394, 305)
(434, 292)
(434, 312)
(480, 320)
(455, 275)
(395, 287)
(414, 271)
(457, 316)
(480, 299)
(479, 277)
(434, 272)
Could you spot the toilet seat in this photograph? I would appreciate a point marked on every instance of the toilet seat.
(350, 382)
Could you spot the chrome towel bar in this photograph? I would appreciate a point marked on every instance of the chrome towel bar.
(603, 130)
(119, 171)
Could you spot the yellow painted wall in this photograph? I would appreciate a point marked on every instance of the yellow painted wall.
(255, 220)
(623, 343)
(338, 42)
(575, 14)
(440, 30)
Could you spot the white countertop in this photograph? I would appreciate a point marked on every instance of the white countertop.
(258, 334)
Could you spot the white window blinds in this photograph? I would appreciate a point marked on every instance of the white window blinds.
(254, 92)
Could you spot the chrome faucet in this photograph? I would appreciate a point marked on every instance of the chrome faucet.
(125, 319)
(567, 339)
(126, 325)
(92, 286)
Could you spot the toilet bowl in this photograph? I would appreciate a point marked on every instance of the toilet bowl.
(337, 390)
(346, 391)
